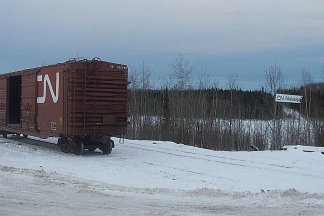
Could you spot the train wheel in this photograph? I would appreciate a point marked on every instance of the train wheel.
(72, 146)
(64, 145)
(79, 146)
(107, 148)
(69, 146)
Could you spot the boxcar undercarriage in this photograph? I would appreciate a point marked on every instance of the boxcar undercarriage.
(78, 144)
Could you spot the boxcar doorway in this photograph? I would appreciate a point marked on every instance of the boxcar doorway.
(14, 94)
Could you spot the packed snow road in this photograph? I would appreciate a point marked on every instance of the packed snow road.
(159, 178)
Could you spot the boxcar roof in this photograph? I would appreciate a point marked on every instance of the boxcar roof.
(26, 71)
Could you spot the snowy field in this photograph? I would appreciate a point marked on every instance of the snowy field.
(159, 178)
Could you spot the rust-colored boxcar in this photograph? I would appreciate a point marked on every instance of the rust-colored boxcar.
(84, 102)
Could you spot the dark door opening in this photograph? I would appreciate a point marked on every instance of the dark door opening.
(14, 95)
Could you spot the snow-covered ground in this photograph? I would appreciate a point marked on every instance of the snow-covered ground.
(160, 178)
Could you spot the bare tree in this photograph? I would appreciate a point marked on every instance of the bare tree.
(145, 74)
(204, 81)
(307, 87)
(307, 93)
(232, 85)
(232, 81)
(202, 124)
(274, 78)
(181, 72)
(133, 110)
(323, 69)
(274, 81)
(140, 83)
(133, 78)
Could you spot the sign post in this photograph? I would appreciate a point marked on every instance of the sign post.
(284, 98)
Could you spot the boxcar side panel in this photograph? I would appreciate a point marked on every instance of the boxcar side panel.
(50, 101)
(3, 101)
(28, 101)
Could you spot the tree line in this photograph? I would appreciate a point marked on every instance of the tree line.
(224, 119)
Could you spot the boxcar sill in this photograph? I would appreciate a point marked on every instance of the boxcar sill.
(14, 125)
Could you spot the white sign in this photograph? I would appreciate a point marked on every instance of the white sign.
(47, 82)
(284, 98)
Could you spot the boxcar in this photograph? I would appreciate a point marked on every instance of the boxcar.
(83, 102)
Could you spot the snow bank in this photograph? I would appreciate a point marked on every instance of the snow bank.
(166, 165)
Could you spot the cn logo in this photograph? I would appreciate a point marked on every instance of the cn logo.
(47, 82)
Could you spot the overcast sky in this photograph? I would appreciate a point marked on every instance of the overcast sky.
(218, 37)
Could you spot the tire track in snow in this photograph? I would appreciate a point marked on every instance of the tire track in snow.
(220, 157)
(185, 170)
(171, 152)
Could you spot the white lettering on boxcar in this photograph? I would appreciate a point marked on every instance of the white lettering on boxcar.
(47, 82)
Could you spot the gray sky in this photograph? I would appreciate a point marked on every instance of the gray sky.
(217, 37)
